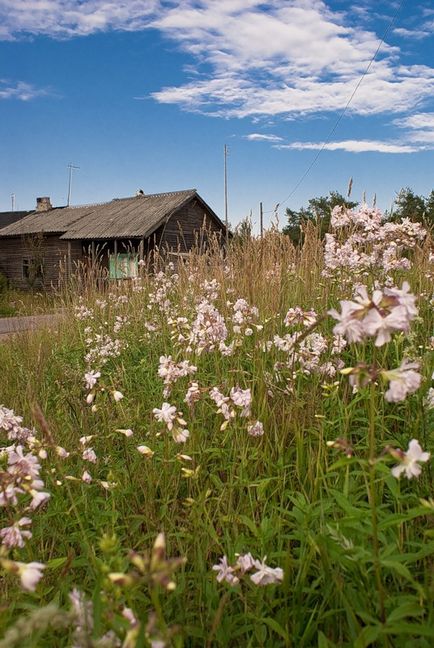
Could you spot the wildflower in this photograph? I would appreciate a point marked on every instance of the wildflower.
(375, 324)
(225, 572)
(245, 562)
(61, 452)
(429, 399)
(91, 378)
(86, 477)
(29, 573)
(266, 575)
(144, 450)
(166, 414)
(410, 460)
(117, 396)
(180, 435)
(127, 433)
(403, 380)
(85, 439)
(255, 430)
(89, 455)
(38, 498)
(13, 536)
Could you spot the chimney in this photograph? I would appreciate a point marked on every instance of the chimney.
(43, 204)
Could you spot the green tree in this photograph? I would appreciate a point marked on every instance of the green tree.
(409, 205)
(319, 210)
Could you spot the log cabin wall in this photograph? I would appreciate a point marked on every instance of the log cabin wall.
(48, 251)
(189, 226)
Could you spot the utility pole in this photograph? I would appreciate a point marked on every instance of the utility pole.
(226, 191)
(71, 168)
(13, 201)
(261, 220)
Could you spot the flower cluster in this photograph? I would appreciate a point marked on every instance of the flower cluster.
(362, 242)
(261, 574)
(170, 371)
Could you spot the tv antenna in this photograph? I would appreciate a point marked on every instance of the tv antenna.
(71, 168)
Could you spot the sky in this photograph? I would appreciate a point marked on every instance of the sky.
(144, 94)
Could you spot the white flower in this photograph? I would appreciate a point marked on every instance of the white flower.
(225, 572)
(89, 455)
(13, 536)
(180, 435)
(266, 575)
(255, 430)
(410, 461)
(91, 378)
(375, 324)
(127, 432)
(38, 498)
(403, 380)
(117, 395)
(166, 414)
(245, 562)
(61, 452)
(144, 450)
(30, 574)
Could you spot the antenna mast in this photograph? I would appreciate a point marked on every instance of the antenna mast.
(13, 201)
(71, 168)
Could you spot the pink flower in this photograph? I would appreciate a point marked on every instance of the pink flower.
(266, 575)
(410, 461)
(166, 414)
(91, 378)
(86, 477)
(30, 574)
(255, 430)
(89, 455)
(13, 536)
(403, 380)
(225, 572)
(375, 324)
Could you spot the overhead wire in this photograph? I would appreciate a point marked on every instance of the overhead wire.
(342, 114)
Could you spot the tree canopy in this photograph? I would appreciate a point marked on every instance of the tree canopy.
(318, 210)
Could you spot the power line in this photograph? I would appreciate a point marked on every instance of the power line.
(342, 114)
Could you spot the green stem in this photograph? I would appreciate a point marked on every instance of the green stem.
(373, 502)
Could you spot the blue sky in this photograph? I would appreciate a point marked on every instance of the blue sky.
(145, 93)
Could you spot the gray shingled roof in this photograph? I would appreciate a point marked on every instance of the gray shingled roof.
(121, 218)
(7, 218)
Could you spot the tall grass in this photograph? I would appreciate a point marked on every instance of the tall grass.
(355, 544)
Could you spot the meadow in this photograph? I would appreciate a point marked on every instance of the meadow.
(233, 452)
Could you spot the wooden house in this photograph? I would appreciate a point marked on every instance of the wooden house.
(49, 243)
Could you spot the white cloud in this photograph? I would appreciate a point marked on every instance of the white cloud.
(352, 146)
(258, 137)
(249, 58)
(417, 34)
(419, 127)
(295, 58)
(66, 18)
(20, 90)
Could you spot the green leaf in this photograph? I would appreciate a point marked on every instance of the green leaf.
(368, 635)
(409, 609)
(272, 623)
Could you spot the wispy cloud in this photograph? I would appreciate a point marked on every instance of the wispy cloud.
(258, 137)
(352, 146)
(67, 18)
(417, 34)
(419, 127)
(253, 58)
(20, 90)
